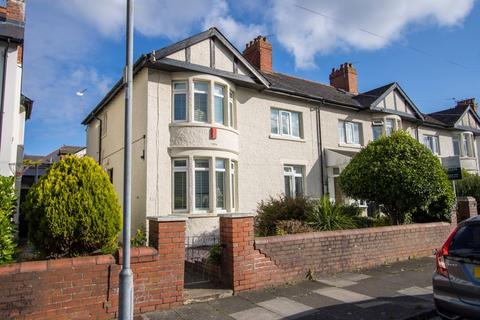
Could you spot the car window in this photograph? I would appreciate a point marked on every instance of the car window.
(467, 238)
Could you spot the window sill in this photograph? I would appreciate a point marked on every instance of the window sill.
(200, 214)
(286, 138)
(350, 145)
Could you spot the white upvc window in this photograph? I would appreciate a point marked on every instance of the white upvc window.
(377, 131)
(293, 178)
(180, 185)
(231, 110)
(233, 184)
(179, 101)
(219, 103)
(202, 184)
(200, 101)
(220, 183)
(349, 132)
(389, 126)
(467, 145)
(285, 123)
(431, 142)
(456, 145)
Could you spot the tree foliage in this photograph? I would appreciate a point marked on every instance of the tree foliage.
(73, 210)
(400, 174)
(7, 208)
(469, 186)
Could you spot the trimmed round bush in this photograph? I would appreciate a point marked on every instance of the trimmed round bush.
(73, 210)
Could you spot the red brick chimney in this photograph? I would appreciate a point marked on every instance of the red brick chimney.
(469, 102)
(344, 78)
(259, 53)
(16, 10)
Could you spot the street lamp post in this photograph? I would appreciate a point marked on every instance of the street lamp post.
(125, 307)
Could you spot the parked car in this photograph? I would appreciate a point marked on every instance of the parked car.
(456, 282)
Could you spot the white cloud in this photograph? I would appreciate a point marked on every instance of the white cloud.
(306, 34)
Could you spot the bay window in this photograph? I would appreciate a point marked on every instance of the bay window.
(180, 184)
(219, 104)
(231, 109)
(200, 101)
(233, 184)
(377, 131)
(202, 184)
(179, 101)
(467, 145)
(220, 172)
(293, 178)
(456, 145)
(389, 127)
(349, 132)
(285, 123)
(431, 142)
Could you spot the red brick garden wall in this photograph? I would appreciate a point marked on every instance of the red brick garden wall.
(87, 287)
(252, 263)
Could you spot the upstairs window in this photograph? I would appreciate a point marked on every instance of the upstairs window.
(231, 109)
(293, 177)
(285, 123)
(456, 145)
(377, 131)
(219, 104)
(389, 127)
(200, 101)
(467, 145)
(349, 132)
(431, 142)
(179, 101)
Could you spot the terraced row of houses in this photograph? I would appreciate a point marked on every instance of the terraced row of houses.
(216, 130)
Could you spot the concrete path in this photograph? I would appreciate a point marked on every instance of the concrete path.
(398, 291)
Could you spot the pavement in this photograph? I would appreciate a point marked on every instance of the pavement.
(398, 291)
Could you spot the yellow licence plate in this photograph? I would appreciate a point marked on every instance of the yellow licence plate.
(476, 272)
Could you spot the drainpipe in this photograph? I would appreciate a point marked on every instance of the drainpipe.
(100, 129)
(320, 151)
(5, 56)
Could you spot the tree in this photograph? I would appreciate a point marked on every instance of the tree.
(7, 207)
(73, 210)
(400, 174)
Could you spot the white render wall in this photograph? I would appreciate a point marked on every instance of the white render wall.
(13, 120)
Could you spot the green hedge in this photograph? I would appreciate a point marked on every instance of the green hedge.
(7, 208)
(73, 210)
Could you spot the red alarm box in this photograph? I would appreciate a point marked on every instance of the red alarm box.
(213, 133)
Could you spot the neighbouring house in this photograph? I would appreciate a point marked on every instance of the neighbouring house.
(34, 167)
(216, 130)
(15, 108)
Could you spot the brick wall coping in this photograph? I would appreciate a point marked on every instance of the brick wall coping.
(169, 218)
(54, 264)
(466, 198)
(238, 215)
(139, 254)
(348, 232)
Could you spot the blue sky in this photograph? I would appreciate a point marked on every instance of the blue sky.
(78, 44)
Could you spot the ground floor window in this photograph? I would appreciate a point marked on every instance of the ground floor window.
(180, 184)
(293, 177)
(203, 184)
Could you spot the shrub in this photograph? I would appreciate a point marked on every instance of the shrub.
(284, 227)
(73, 210)
(277, 209)
(326, 216)
(140, 238)
(215, 255)
(7, 207)
(469, 186)
(400, 174)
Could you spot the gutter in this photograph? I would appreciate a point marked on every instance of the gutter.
(2, 101)
(323, 187)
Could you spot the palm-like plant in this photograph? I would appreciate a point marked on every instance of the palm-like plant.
(326, 216)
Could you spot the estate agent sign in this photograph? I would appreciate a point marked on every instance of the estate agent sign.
(453, 167)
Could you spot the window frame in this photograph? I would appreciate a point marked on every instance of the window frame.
(207, 92)
(435, 143)
(232, 119)
(292, 174)
(178, 92)
(180, 169)
(233, 185)
(202, 169)
(224, 111)
(280, 124)
(342, 125)
(225, 186)
(468, 142)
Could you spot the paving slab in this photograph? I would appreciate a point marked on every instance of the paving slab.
(285, 307)
(354, 277)
(256, 313)
(343, 295)
(232, 305)
(417, 292)
(336, 282)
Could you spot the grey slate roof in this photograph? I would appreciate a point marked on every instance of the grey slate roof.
(449, 116)
(289, 84)
(368, 97)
